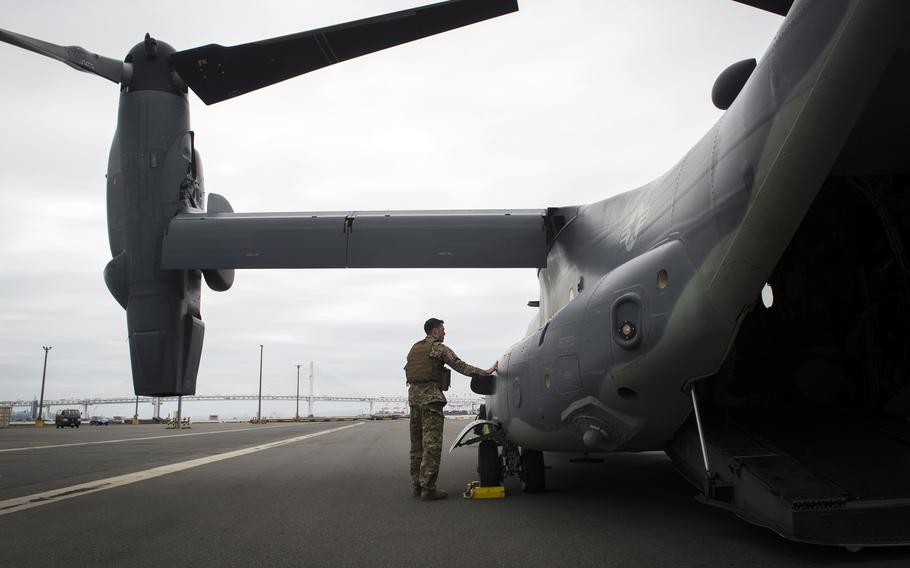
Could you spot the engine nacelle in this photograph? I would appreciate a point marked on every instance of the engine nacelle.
(153, 174)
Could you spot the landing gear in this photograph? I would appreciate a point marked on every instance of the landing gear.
(488, 464)
(533, 472)
(494, 464)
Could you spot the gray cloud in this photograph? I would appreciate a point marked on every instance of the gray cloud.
(565, 102)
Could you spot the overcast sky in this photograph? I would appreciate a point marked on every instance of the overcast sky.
(562, 103)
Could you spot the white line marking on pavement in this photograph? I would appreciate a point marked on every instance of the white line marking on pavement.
(37, 499)
(146, 438)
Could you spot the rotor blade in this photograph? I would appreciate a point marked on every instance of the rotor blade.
(73, 55)
(217, 73)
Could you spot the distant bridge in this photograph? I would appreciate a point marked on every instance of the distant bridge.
(157, 401)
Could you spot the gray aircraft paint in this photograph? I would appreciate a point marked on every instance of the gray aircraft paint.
(729, 207)
(680, 260)
(718, 223)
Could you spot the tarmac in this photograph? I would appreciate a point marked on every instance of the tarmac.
(338, 494)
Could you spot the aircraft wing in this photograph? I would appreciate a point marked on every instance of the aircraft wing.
(498, 238)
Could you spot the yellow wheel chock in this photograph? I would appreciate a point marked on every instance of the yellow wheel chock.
(475, 491)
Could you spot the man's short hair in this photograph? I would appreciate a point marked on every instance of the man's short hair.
(432, 324)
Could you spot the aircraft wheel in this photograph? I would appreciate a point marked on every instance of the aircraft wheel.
(488, 464)
(534, 479)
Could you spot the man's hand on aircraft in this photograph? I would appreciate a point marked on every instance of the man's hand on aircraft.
(492, 369)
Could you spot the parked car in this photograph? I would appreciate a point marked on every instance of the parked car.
(68, 417)
(118, 420)
(99, 421)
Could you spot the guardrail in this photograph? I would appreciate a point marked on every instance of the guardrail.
(187, 422)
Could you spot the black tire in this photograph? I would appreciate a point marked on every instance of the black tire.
(534, 477)
(488, 464)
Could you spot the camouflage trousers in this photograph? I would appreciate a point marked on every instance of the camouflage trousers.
(427, 421)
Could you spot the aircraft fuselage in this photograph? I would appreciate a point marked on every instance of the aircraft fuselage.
(644, 292)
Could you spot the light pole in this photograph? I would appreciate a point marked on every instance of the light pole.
(311, 390)
(297, 412)
(259, 412)
(39, 423)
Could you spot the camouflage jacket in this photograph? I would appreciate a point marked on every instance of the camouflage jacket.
(426, 393)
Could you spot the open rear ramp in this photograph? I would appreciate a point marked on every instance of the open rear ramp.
(841, 481)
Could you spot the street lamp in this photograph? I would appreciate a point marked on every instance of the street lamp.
(297, 412)
(39, 423)
(311, 389)
(259, 412)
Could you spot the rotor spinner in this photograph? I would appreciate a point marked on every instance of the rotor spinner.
(150, 69)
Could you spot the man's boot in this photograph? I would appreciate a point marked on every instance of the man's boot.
(415, 490)
(432, 494)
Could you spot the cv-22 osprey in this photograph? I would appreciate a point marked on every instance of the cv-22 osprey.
(651, 332)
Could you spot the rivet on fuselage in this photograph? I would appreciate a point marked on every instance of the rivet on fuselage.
(546, 380)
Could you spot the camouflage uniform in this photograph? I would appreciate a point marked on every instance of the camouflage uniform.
(426, 401)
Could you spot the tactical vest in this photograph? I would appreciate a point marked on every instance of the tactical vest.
(422, 368)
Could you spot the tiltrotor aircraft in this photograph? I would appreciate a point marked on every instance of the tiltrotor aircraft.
(650, 332)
